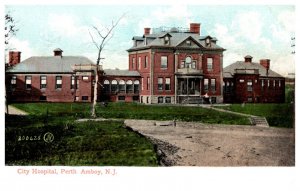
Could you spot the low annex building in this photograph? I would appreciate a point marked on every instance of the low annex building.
(54, 78)
(247, 81)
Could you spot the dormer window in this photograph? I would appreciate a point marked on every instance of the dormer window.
(207, 42)
(167, 40)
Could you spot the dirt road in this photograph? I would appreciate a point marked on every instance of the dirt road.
(197, 144)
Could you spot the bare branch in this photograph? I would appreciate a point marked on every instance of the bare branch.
(98, 31)
(93, 40)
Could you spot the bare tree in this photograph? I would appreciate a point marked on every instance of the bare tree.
(10, 31)
(104, 36)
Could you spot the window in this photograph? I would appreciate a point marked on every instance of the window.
(188, 62)
(121, 98)
(85, 98)
(279, 83)
(148, 83)
(274, 83)
(268, 83)
(188, 42)
(160, 84)
(167, 40)
(114, 86)
(139, 63)
(129, 86)
(106, 86)
(250, 99)
(58, 82)
(146, 62)
(168, 99)
(160, 100)
(43, 98)
(194, 64)
(164, 62)
(242, 80)
(167, 84)
(13, 82)
(136, 86)
(209, 63)
(213, 84)
(74, 82)
(43, 83)
(135, 98)
(207, 42)
(85, 78)
(182, 64)
(262, 83)
(122, 86)
(28, 82)
(249, 86)
(76, 98)
(206, 85)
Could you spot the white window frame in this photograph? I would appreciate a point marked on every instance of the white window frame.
(210, 63)
(164, 62)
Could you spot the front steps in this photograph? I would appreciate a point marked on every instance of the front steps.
(259, 121)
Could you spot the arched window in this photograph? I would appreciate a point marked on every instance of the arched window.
(129, 86)
(136, 86)
(114, 86)
(106, 86)
(122, 86)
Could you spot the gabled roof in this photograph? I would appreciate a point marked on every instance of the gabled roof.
(50, 64)
(192, 39)
(117, 72)
(229, 71)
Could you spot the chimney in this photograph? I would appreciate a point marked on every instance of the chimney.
(265, 63)
(58, 52)
(147, 31)
(14, 58)
(248, 58)
(195, 28)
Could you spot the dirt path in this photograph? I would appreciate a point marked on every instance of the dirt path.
(15, 111)
(197, 144)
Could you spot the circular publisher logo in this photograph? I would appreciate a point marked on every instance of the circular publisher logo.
(48, 137)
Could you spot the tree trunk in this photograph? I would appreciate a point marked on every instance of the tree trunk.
(93, 113)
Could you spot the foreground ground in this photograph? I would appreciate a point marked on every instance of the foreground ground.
(197, 144)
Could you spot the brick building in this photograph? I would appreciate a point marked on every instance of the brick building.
(247, 81)
(120, 85)
(177, 65)
(54, 78)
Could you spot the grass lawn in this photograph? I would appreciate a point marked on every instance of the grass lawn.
(75, 144)
(278, 115)
(135, 111)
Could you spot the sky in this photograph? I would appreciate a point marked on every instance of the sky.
(262, 31)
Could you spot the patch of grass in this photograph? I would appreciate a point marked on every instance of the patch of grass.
(135, 111)
(75, 144)
(278, 115)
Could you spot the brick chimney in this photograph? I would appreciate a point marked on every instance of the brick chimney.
(58, 52)
(248, 58)
(195, 28)
(265, 63)
(147, 31)
(14, 57)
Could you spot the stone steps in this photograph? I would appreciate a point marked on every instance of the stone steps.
(259, 121)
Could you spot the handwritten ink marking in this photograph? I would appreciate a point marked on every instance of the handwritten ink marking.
(29, 138)
(48, 137)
